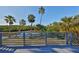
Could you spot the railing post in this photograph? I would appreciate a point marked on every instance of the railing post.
(0, 38)
(71, 39)
(46, 39)
(66, 37)
(24, 38)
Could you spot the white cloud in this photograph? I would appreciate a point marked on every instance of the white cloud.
(3, 22)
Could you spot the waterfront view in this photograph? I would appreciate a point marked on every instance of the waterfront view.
(39, 29)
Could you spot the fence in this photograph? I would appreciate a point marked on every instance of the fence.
(36, 38)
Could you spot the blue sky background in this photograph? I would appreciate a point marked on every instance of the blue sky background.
(52, 13)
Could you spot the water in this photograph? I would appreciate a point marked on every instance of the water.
(20, 35)
(35, 34)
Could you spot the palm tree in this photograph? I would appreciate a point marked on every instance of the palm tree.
(41, 11)
(10, 20)
(66, 22)
(31, 19)
(22, 23)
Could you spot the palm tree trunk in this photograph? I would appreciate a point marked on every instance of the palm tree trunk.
(41, 19)
(40, 29)
(20, 28)
(31, 31)
(9, 30)
(31, 26)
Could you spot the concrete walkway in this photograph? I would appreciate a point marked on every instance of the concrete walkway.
(40, 49)
(63, 50)
(25, 50)
(55, 50)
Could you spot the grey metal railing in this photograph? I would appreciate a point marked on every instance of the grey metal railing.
(36, 38)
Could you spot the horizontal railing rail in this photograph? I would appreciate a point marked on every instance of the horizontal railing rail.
(38, 38)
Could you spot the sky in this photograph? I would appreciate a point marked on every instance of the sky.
(52, 13)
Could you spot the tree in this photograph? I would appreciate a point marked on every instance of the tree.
(54, 27)
(22, 23)
(66, 23)
(41, 11)
(41, 27)
(10, 20)
(31, 19)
